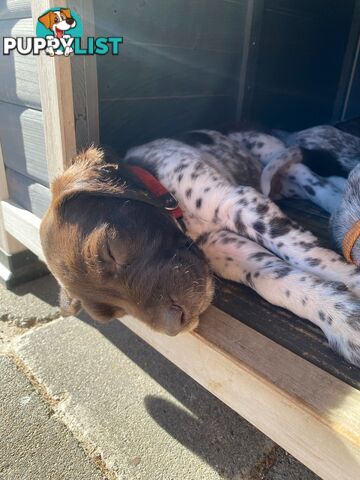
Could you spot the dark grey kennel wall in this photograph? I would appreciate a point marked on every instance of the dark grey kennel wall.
(179, 66)
(206, 63)
(296, 78)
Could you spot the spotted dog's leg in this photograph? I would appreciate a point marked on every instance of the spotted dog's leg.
(297, 180)
(324, 192)
(329, 305)
(247, 212)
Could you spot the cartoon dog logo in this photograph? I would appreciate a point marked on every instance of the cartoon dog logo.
(59, 22)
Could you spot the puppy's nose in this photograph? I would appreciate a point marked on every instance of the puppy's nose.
(70, 21)
(174, 320)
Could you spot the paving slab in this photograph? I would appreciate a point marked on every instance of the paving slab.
(31, 303)
(146, 418)
(34, 445)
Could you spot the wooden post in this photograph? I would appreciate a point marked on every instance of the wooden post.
(56, 101)
(85, 82)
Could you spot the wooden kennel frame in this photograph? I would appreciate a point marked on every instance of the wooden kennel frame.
(306, 410)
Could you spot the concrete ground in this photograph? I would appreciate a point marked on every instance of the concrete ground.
(79, 401)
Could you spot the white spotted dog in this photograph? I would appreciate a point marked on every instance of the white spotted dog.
(288, 175)
(326, 151)
(342, 147)
(248, 239)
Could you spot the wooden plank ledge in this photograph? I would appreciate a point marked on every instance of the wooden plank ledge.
(22, 225)
(307, 411)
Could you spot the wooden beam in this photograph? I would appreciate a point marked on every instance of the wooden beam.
(7, 243)
(85, 82)
(310, 413)
(56, 101)
(22, 225)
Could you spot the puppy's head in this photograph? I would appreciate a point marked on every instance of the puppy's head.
(114, 256)
(58, 21)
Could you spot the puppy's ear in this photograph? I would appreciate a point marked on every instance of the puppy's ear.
(66, 12)
(68, 306)
(47, 19)
(271, 177)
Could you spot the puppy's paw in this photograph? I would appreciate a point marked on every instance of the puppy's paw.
(343, 331)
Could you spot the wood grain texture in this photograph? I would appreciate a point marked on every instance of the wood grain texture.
(23, 141)
(313, 416)
(7, 243)
(22, 225)
(85, 83)
(57, 103)
(19, 74)
(15, 9)
(27, 193)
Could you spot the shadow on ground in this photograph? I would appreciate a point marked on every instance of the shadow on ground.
(45, 288)
(203, 424)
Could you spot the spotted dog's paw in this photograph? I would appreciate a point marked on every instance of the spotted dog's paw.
(272, 178)
(343, 330)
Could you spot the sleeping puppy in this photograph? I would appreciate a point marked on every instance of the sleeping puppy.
(115, 251)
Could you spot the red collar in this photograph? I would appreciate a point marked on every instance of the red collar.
(159, 191)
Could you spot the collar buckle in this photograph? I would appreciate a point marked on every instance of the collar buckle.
(169, 202)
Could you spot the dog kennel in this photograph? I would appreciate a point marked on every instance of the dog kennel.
(183, 65)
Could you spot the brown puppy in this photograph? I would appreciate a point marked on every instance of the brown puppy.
(113, 256)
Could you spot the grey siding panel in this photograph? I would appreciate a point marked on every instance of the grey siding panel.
(27, 193)
(129, 123)
(19, 75)
(15, 9)
(23, 142)
(200, 24)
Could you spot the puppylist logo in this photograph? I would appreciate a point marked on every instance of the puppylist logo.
(59, 31)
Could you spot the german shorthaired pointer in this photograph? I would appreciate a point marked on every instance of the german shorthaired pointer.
(328, 156)
(247, 238)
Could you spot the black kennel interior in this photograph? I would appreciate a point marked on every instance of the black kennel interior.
(188, 64)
